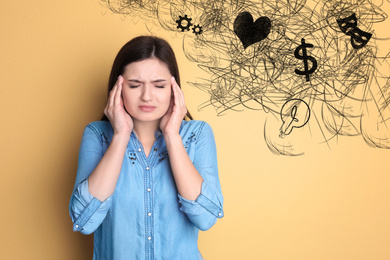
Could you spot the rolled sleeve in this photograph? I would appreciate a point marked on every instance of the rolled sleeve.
(208, 207)
(205, 210)
(87, 212)
(209, 200)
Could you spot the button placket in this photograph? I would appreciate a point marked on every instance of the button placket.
(148, 210)
(147, 165)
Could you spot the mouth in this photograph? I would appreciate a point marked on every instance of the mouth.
(146, 108)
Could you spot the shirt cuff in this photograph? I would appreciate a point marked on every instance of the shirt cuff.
(90, 208)
(206, 201)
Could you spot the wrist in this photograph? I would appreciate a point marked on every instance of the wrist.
(122, 137)
(171, 137)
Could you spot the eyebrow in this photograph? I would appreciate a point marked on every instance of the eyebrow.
(154, 81)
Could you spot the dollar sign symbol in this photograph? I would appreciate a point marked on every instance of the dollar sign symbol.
(305, 58)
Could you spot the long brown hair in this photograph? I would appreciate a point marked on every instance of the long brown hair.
(142, 48)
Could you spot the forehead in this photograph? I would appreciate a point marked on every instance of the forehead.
(152, 67)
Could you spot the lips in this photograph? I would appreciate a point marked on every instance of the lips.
(147, 108)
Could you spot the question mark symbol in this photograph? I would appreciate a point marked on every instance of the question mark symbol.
(294, 113)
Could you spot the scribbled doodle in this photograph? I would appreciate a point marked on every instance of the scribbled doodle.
(250, 32)
(305, 59)
(254, 51)
(348, 25)
(295, 113)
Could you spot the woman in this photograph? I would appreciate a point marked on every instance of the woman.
(147, 180)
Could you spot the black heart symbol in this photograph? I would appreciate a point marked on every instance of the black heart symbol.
(250, 32)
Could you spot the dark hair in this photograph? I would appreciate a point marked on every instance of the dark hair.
(142, 48)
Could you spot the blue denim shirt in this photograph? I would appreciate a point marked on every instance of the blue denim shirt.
(146, 218)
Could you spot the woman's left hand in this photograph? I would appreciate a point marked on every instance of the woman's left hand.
(171, 121)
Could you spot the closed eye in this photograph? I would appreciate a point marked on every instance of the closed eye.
(160, 83)
(134, 86)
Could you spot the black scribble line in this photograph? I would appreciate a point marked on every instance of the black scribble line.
(347, 94)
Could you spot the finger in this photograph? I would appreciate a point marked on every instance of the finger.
(170, 109)
(172, 102)
(112, 95)
(175, 92)
(118, 93)
(181, 97)
(107, 109)
(179, 94)
(173, 83)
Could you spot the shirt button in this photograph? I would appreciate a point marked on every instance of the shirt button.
(149, 214)
(77, 226)
(148, 189)
(147, 168)
(139, 149)
(149, 238)
(219, 214)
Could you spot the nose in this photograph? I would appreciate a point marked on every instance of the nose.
(146, 94)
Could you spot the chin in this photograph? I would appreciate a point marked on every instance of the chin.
(147, 118)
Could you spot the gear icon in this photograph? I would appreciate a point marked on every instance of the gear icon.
(197, 29)
(184, 23)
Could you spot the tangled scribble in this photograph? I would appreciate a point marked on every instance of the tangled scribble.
(348, 94)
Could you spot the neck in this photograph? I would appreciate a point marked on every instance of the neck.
(145, 130)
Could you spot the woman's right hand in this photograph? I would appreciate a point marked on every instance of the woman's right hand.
(120, 120)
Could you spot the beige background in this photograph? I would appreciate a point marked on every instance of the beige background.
(55, 56)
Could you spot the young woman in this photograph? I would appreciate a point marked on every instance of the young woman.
(147, 180)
